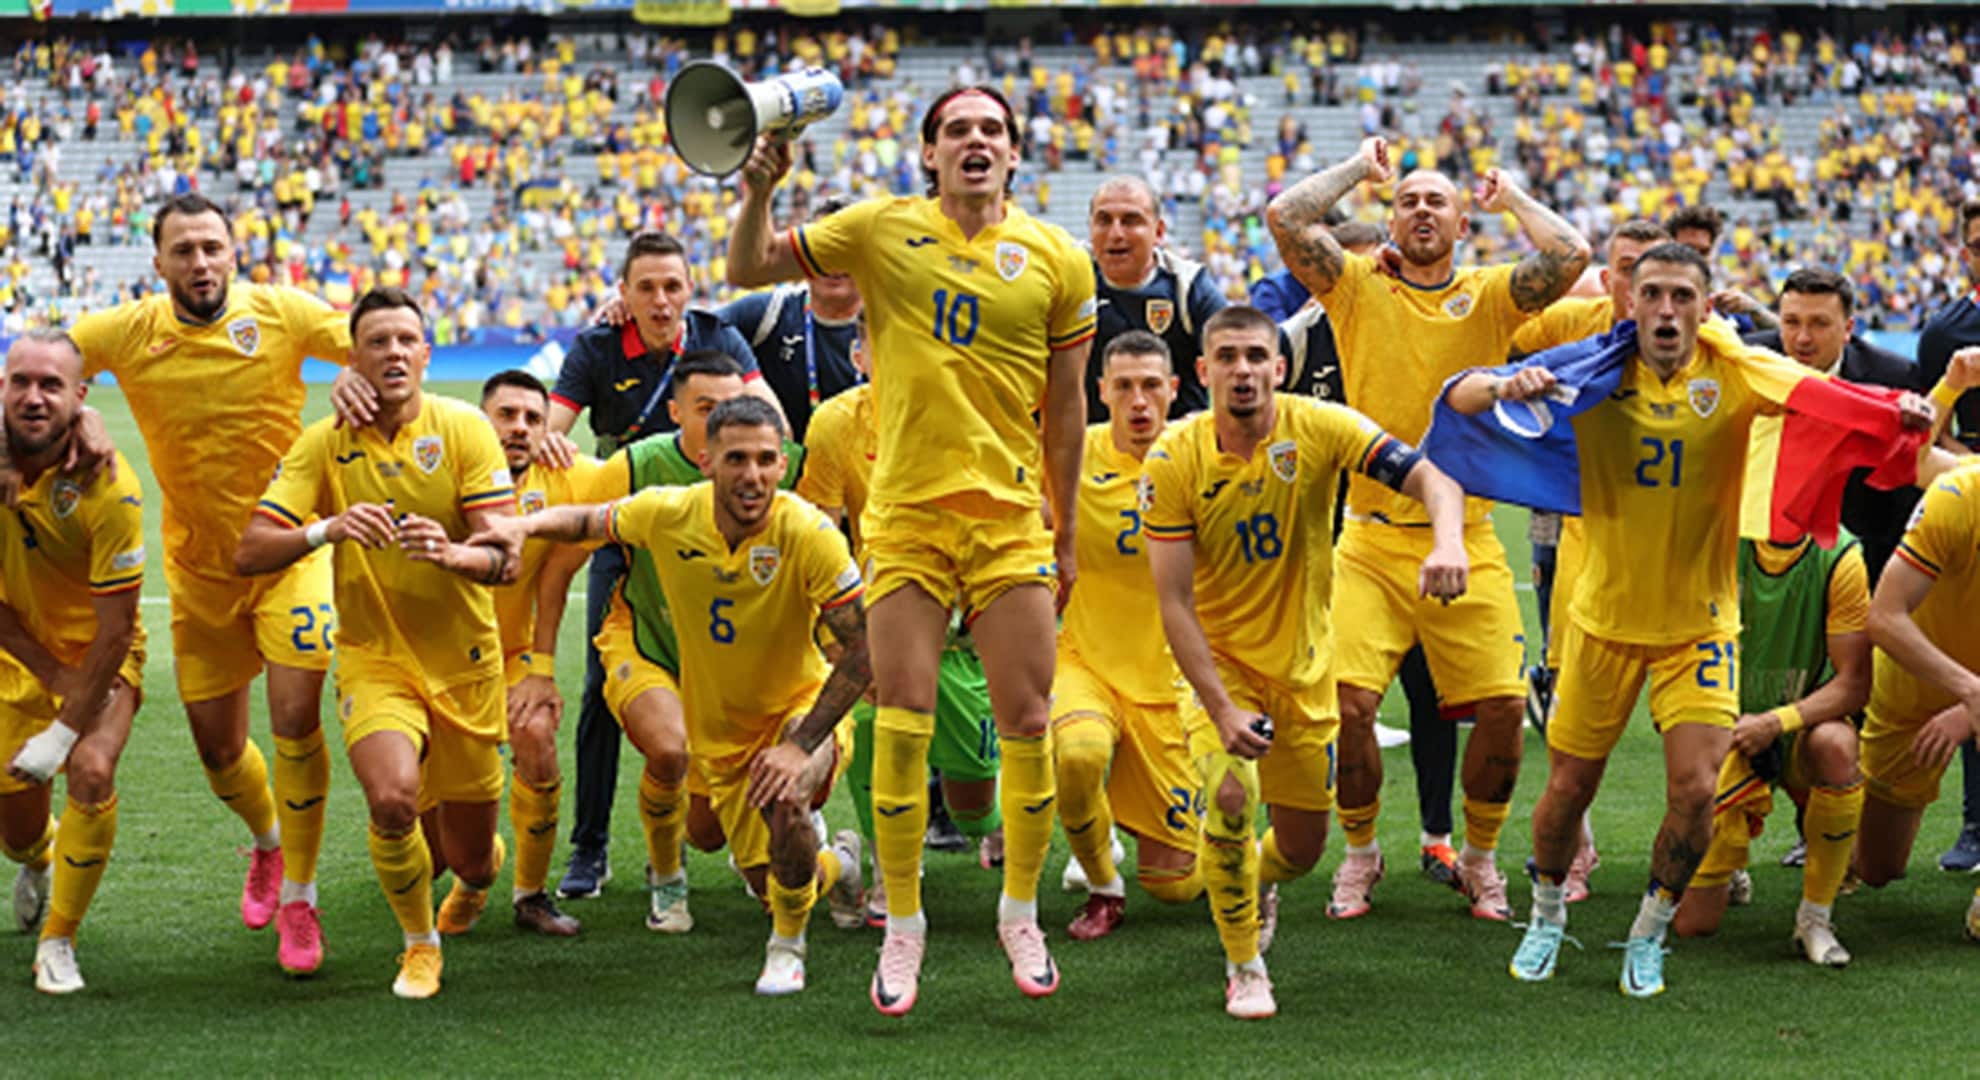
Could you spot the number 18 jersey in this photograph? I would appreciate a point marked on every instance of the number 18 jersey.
(1263, 529)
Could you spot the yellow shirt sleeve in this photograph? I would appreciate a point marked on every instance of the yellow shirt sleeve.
(636, 518)
(823, 482)
(1073, 317)
(1340, 301)
(833, 244)
(298, 491)
(1849, 595)
(1543, 331)
(1939, 541)
(115, 519)
(830, 576)
(483, 469)
(1166, 513)
(595, 481)
(321, 330)
(97, 334)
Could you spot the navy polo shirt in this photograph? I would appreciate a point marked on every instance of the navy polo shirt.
(610, 372)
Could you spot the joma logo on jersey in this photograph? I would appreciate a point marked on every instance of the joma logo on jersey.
(245, 334)
(764, 560)
(1285, 460)
(1704, 396)
(427, 451)
(1457, 307)
(1160, 314)
(920, 241)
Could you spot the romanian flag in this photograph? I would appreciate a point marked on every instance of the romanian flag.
(1797, 461)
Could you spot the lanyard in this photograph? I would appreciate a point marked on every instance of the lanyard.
(811, 358)
(659, 393)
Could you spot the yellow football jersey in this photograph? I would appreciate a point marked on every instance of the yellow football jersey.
(1941, 542)
(1662, 468)
(66, 544)
(744, 617)
(1114, 620)
(436, 626)
(1263, 529)
(839, 450)
(963, 330)
(1571, 319)
(588, 480)
(1400, 342)
(218, 403)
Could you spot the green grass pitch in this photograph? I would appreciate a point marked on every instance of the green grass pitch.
(176, 985)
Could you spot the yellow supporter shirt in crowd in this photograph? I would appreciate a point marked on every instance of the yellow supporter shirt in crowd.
(1400, 342)
(1263, 530)
(966, 327)
(1114, 620)
(66, 544)
(1941, 543)
(744, 617)
(218, 403)
(435, 626)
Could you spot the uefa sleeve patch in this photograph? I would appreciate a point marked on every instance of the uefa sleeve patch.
(128, 560)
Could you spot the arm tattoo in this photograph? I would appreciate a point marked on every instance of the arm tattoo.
(1297, 219)
(847, 682)
(1547, 274)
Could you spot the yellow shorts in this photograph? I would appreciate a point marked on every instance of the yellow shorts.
(456, 765)
(627, 673)
(1152, 786)
(727, 792)
(1890, 774)
(1298, 772)
(963, 546)
(1695, 682)
(224, 627)
(27, 708)
(1740, 806)
(1475, 644)
(1568, 556)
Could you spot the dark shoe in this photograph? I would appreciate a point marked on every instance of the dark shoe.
(587, 874)
(539, 913)
(1964, 856)
(943, 834)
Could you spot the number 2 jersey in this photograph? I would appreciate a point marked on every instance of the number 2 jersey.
(963, 330)
(1113, 622)
(1264, 528)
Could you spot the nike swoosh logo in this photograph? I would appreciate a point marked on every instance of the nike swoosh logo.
(880, 991)
(893, 811)
(407, 887)
(346, 459)
(303, 805)
(1033, 808)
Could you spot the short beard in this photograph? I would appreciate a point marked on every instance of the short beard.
(204, 314)
(19, 446)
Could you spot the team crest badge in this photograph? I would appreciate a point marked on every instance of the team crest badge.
(1145, 494)
(1160, 314)
(763, 562)
(245, 334)
(533, 501)
(1011, 260)
(1457, 307)
(67, 495)
(427, 453)
(1704, 396)
(1285, 459)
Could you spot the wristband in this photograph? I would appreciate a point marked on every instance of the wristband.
(318, 534)
(1790, 718)
(1945, 396)
(546, 661)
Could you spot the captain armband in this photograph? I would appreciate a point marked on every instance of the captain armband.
(1391, 462)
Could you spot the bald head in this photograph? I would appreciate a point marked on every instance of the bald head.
(43, 393)
(1427, 219)
(1124, 226)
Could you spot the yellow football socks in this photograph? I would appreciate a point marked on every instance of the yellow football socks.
(533, 817)
(1229, 862)
(1358, 823)
(302, 784)
(900, 804)
(1483, 821)
(1830, 827)
(82, 850)
(1085, 745)
(790, 905)
(243, 786)
(1027, 792)
(405, 872)
(660, 810)
(1172, 886)
(36, 855)
(1273, 866)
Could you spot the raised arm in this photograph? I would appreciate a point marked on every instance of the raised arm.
(1560, 252)
(759, 255)
(1297, 217)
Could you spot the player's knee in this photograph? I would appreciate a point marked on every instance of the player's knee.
(1082, 753)
(704, 829)
(1170, 885)
(1701, 912)
(1358, 708)
(1690, 792)
(667, 764)
(1499, 714)
(218, 758)
(1031, 720)
(1573, 786)
(394, 807)
(92, 773)
(1829, 753)
(1300, 847)
(1233, 801)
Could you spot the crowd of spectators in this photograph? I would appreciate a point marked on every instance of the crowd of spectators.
(498, 176)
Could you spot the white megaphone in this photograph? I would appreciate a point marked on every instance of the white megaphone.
(714, 117)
